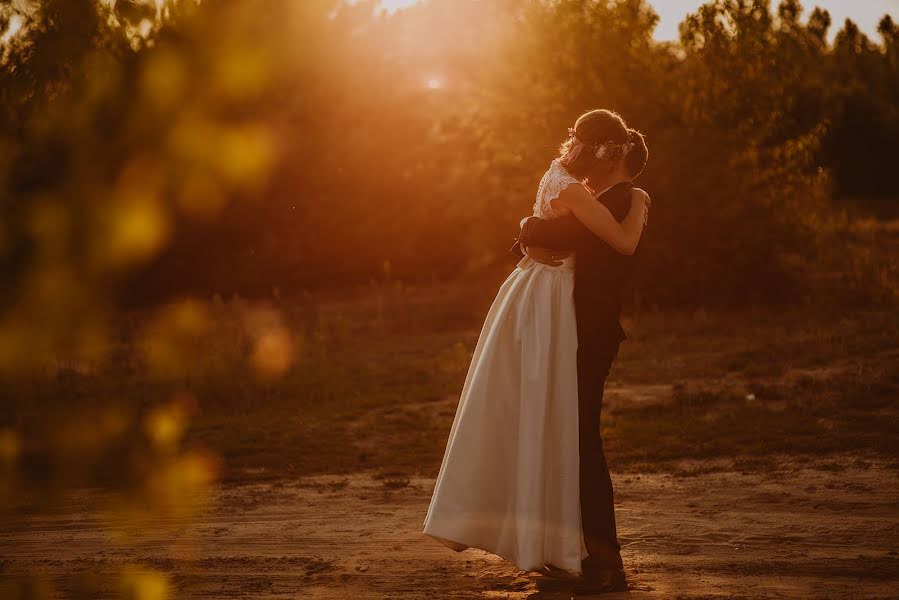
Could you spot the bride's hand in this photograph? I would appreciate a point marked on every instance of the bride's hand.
(545, 256)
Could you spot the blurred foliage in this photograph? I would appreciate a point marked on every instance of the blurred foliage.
(121, 121)
(156, 153)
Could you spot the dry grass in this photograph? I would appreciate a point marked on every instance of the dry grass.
(379, 369)
(686, 386)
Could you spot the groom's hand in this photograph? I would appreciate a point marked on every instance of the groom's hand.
(545, 256)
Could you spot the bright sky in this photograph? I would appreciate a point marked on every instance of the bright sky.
(866, 13)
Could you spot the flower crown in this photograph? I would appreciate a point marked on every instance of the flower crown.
(607, 149)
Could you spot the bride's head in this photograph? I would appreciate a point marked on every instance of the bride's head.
(596, 145)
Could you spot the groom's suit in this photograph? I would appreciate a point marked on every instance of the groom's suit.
(600, 276)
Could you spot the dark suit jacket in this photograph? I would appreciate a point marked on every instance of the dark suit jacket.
(601, 274)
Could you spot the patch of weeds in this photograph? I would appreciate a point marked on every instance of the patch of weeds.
(389, 474)
(755, 463)
(326, 486)
(317, 566)
(395, 483)
(696, 469)
(831, 467)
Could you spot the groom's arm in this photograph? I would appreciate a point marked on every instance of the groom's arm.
(516, 250)
(564, 233)
(567, 233)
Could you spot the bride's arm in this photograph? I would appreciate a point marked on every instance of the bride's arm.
(622, 237)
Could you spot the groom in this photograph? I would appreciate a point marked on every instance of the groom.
(600, 277)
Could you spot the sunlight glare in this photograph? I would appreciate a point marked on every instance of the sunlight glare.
(14, 26)
(392, 6)
(434, 84)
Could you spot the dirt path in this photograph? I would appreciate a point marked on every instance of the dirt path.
(801, 532)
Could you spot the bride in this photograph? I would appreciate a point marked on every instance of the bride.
(509, 481)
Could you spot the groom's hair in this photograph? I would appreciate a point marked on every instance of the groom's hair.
(636, 159)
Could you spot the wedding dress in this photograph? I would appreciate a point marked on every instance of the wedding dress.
(509, 480)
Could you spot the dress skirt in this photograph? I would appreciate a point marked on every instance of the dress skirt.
(509, 481)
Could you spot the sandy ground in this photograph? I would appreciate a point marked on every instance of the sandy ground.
(799, 532)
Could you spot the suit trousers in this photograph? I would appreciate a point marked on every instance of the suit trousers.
(595, 356)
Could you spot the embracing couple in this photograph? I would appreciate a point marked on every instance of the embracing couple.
(524, 475)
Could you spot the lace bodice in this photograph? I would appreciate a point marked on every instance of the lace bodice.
(556, 179)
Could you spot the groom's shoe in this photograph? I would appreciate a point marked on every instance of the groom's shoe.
(601, 582)
(557, 573)
(549, 585)
(553, 579)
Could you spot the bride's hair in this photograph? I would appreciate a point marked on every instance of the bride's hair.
(597, 136)
(636, 159)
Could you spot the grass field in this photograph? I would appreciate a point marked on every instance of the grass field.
(740, 387)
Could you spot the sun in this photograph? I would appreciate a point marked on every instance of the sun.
(392, 6)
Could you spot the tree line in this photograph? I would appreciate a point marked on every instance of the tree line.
(240, 146)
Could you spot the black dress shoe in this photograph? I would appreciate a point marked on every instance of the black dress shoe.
(551, 584)
(557, 573)
(602, 582)
(548, 583)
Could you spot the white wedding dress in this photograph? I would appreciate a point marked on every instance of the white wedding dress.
(509, 480)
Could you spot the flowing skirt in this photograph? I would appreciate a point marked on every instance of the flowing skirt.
(509, 479)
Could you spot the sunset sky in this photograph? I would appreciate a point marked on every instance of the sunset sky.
(864, 12)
